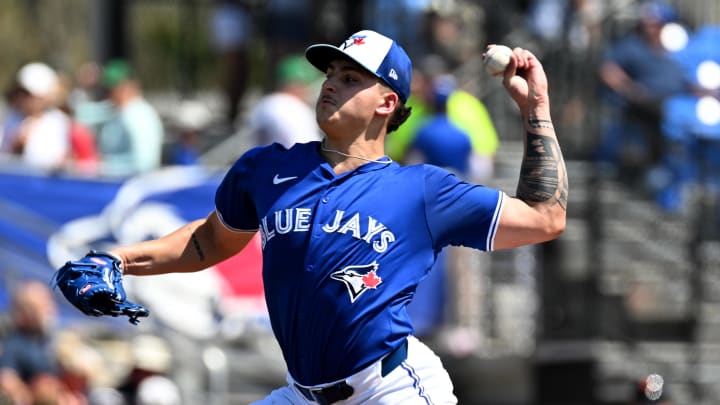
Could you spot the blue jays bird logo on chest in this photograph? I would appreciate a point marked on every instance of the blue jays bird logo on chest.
(358, 279)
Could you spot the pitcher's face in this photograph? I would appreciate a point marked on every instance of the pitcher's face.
(349, 96)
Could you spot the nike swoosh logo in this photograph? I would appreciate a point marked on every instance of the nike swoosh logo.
(278, 180)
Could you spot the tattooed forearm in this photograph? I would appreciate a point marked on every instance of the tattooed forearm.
(542, 175)
(198, 248)
(540, 123)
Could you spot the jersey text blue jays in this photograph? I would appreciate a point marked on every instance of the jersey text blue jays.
(365, 228)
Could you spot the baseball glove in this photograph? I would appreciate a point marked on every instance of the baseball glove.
(93, 284)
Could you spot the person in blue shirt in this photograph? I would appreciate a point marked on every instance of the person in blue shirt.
(438, 140)
(441, 143)
(347, 234)
(638, 74)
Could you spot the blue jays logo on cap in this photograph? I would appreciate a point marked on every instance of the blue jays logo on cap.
(375, 52)
(353, 40)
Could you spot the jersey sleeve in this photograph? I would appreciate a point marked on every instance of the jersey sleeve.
(459, 213)
(233, 198)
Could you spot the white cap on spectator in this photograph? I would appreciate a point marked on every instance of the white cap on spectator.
(38, 79)
(151, 353)
(158, 390)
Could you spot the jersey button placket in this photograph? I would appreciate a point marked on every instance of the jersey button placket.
(320, 212)
(326, 195)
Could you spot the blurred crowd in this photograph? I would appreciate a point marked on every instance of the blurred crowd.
(42, 364)
(96, 122)
(654, 82)
(651, 95)
(661, 82)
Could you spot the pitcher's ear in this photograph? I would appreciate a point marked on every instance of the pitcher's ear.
(390, 102)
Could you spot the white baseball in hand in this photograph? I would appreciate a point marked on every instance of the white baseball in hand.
(496, 59)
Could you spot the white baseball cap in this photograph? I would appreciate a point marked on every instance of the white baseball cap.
(38, 79)
(375, 52)
(158, 390)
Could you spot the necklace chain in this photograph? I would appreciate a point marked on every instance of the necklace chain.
(326, 149)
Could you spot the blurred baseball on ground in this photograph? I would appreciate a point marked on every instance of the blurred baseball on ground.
(496, 59)
(654, 386)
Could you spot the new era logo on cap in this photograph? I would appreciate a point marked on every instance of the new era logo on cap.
(377, 53)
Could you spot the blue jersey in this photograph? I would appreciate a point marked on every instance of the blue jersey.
(343, 254)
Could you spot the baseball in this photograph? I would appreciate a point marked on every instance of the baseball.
(496, 59)
(654, 387)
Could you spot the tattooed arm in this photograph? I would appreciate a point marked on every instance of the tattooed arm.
(543, 178)
(193, 247)
(538, 211)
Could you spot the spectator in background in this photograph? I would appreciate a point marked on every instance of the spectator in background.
(12, 119)
(83, 150)
(185, 150)
(547, 19)
(463, 110)
(131, 142)
(288, 25)
(82, 368)
(87, 97)
(184, 128)
(286, 115)
(566, 24)
(148, 383)
(468, 267)
(42, 139)
(457, 133)
(403, 20)
(29, 370)
(158, 390)
(691, 127)
(639, 74)
(440, 141)
(83, 158)
(396, 145)
(449, 33)
(86, 86)
(470, 114)
(230, 33)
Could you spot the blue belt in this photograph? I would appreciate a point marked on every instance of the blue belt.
(340, 391)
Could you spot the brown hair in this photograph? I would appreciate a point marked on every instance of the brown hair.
(399, 116)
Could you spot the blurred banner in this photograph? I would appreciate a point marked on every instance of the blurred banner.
(47, 220)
